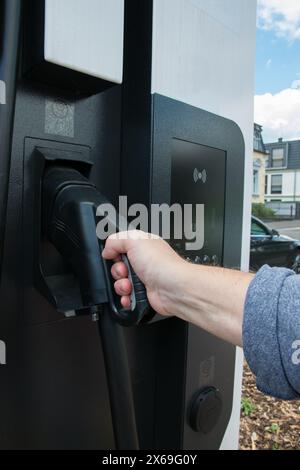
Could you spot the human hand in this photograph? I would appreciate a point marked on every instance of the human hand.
(156, 264)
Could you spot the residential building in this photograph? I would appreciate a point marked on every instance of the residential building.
(259, 163)
(282, 180)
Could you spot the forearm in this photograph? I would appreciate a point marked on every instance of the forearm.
(211, 298)
(261, 313)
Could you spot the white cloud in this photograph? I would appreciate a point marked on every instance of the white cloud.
(280, 16)
(279, 114)
(295, 85)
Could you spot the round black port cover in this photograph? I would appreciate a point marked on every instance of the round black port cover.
(205, 410)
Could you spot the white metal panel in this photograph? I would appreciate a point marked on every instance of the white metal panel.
(204, 55)
(86, 36)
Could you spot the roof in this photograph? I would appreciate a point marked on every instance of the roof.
(291, 152)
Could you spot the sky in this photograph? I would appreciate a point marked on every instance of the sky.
(277, 95)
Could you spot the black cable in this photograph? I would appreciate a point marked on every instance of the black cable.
(119, 381)
(10, 25)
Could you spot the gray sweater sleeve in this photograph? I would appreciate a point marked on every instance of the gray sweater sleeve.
(271, 331)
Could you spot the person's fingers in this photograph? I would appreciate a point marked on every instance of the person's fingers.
(119, 270)
(125, 301)
(123, 287)
(115, 245)
(120, 242)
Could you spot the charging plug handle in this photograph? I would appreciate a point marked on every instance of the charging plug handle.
(70, 203)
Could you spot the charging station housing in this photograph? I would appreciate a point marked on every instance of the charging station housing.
(175, 101)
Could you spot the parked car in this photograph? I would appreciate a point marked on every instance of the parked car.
(268, 246)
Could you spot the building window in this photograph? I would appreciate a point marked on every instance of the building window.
(255, 182)
(266, 184)
(276, 184)
(277, 158)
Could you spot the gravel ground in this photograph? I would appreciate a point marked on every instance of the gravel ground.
(267, 423)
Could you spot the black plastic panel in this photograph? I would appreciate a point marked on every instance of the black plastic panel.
(53, 391)
(177, 120)
(198, 177)
(184, 136)
(222, 137)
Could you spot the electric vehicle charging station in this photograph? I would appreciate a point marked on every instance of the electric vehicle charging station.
(141, 99)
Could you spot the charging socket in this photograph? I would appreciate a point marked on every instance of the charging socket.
(50, 274)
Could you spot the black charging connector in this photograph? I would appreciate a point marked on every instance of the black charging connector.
(69, 206)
